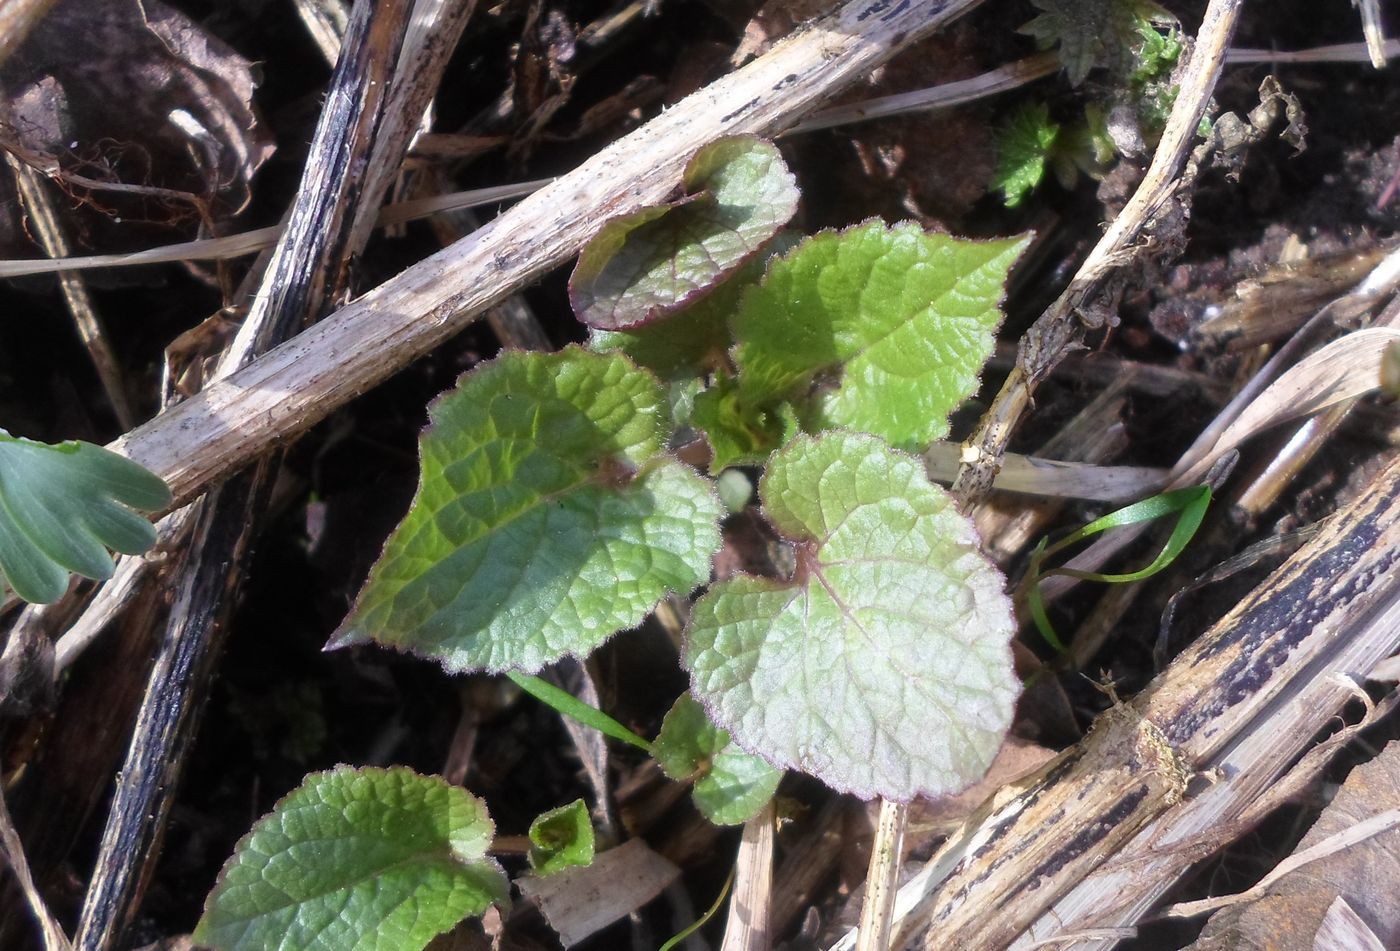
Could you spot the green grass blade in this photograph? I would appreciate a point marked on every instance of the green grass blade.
(571, 706)
(1189, 505)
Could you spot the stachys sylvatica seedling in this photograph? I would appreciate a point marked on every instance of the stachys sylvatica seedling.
(558, 504)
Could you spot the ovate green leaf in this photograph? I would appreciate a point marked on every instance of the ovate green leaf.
(62, 506)
(730, 785)
(878, 329)
(883, 666)
(547, 518)
(561, 838)
(353, 860)
(644, 265)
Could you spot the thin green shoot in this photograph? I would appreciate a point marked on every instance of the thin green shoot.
(574, 708)
(1189, 505)
(709, 913)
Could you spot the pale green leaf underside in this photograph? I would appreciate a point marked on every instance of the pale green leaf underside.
(63, 506)
(731, 786)
(644, 265)
(546, 520)
(902, 320)
(354, 860)
(884, 667)
(561, 838)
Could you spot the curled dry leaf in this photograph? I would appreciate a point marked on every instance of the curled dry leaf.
(186, 122)
(1347, 368)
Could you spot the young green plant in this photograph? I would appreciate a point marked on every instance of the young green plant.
(554, 509)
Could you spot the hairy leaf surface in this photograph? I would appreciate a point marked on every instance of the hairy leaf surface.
(647, 264)
(883, 667)
(353, 860)
(730, 785)
(875, 328)
(561, 838)
(1023, 146)
(547, 518)
(1094, 33)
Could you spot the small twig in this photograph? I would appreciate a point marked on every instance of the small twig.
(49, 166)
(1059, 328)
(37, 202)
(944, 96)
(251, 242)
(12, 851)
(1373, 31)
(1077, 936)
(747, 928)
(1339, 53)
(17, 19)
(1363, 830)
(882, 878)
(1025, 71)
(1035, 475)
(326, 21)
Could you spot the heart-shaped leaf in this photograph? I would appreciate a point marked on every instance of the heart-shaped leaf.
(883, 667)
(379, 859)
(547, 518)
(62, 506)
(644, 265)
(875, 328)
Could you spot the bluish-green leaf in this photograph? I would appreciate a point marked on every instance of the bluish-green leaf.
(354, 860)
(547, 518)
(731, 786)
(63, 506)
(883, 666)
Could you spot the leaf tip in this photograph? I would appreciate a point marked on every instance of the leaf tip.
(345, 636)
